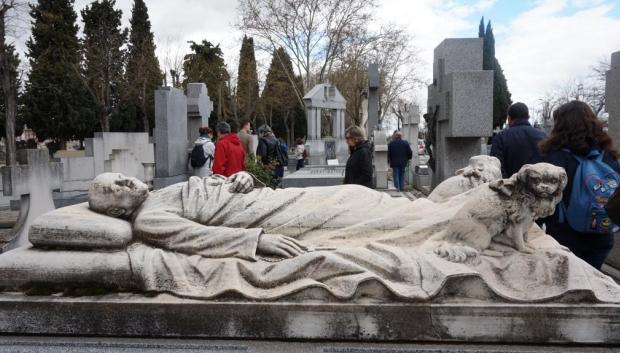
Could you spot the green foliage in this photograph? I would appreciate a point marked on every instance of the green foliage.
(261, 172)
(56, 103)
(501, 95)
(13, 57)
(206, 64)
(103, 57)
(247, 80)
(280, 107)
(142, 74)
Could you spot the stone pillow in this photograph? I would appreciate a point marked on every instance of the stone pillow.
(77, 227)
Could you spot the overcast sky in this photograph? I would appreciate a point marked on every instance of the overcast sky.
(539, 43)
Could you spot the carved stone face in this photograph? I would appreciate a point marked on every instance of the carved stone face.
(116, 195)
(546, 182)
(482, 168)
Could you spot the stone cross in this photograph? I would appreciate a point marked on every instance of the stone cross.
(612, 97)
(463, 94)
(199, 108)
(373, 98)
(33, 181)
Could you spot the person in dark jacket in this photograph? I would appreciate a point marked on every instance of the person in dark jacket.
(359, 165)
(577, 131)
(399, 153)
(229, 155)
(517, 145)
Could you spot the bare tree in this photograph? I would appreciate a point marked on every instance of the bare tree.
(173, 55)
(8, 12)
(314, 32)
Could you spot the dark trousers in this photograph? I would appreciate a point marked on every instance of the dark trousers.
(592, 248)
(300, 164)
(398, 174)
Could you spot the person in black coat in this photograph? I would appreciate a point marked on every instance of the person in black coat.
(399, 153)
(577, 131)
(517, 145)
(359, 165)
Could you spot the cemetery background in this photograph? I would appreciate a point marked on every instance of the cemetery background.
(141, 129)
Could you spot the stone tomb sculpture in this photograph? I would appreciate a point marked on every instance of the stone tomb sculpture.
(209, 237)
(221, 238)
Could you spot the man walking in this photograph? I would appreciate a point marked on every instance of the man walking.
(517, 145)
(245, 137)
(229, 154)
(399, 153)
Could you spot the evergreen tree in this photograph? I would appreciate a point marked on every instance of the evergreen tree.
(56, 103)
(280, 107)
(501, 95)
(481, 28)
(143, 74)
(247, 80)
(103, 57)
(206, 64)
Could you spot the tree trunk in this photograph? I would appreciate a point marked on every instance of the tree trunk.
(145, 118)
(10, 91)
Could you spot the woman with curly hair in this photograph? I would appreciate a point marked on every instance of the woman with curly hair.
(577, 132)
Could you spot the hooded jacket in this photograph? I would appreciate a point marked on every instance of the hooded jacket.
(209, 151)
(229, 155)
(359, 166)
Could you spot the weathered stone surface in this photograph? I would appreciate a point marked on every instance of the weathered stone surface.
(196, 245)
(33, 181)
(314, 176)
(325, 97)
(126, 315)
(481, 169)
(65, 269)
(77, 227)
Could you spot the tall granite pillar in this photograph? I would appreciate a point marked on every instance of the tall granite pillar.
(373, 98)
(410, 133)
(199, 108)
(171, 138)
(612, 98)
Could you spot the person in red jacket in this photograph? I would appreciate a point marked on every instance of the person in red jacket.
(229, 154)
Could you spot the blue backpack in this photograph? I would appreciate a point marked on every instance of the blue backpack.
(593, 185)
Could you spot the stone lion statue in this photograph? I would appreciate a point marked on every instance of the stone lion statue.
(502, 211)
(480, 170)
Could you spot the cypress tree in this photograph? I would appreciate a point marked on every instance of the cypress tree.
(501, 95)
(279, 104)
(481, 28)
(56, 103)
(206, 64)
(143, 74)
(247, 80)
(103, 57)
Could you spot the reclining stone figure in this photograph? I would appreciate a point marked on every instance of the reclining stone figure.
(210, 237)
(480, 170)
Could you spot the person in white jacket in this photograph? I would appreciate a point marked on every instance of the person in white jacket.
(300, 154)
(208, 147)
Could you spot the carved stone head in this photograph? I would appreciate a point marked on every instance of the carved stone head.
(116, 195)
(541, 182)
(482, 169)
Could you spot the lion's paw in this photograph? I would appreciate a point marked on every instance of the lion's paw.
(455, 253)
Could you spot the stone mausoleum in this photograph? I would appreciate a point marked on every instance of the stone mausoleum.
(325, 109)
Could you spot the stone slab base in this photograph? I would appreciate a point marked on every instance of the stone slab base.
(131, 315)
(144, 345)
